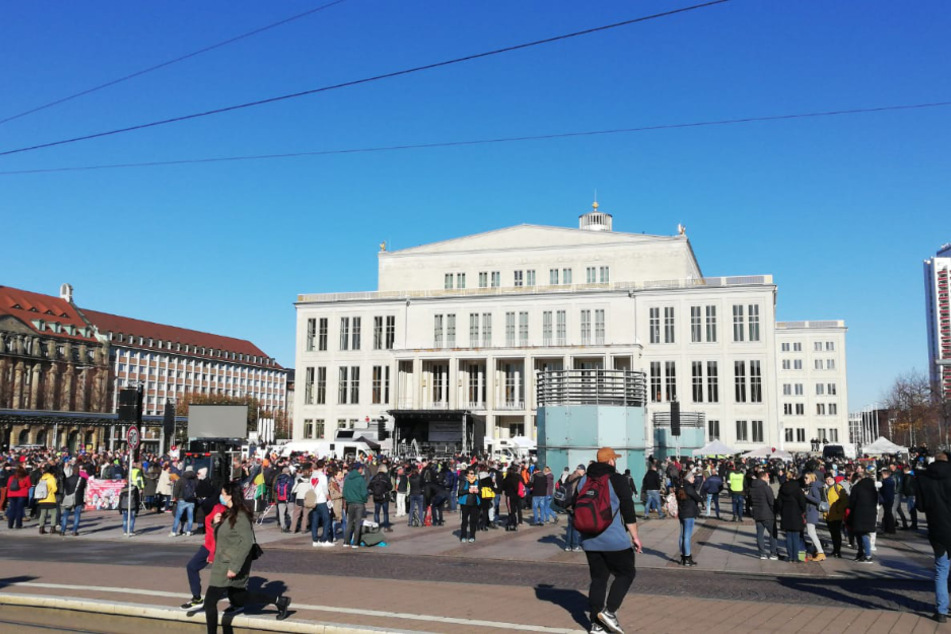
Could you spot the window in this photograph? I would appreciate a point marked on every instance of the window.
(655, 382)
(789, 434)
(830, 364)
(523, 329)
(787, 389)
(741, 431)
(800, 435)
(530, 277)
(486, 330)
(800, 409)
(830, 388)
(695, 326)
(670, 367)
(460, 280)
(599, 327)
(311, 334)
(655, 325)
(834, 435)
(818, 364)
(696, 371)
(566, 276)
(451, 330)
(711, 324)
(830, 346)
(553, 276)
(381, 384)
(356, 334)
(496, 279)
(713, 386)
(797, 364)
(309, 386)
(591, 275)
(713, 430)
(604, 274)
(321, 337)
(817, 346)
(510, 329)
(377, 333)
(390, 331)
(437, 331)
(447, 281)
(757, 430)
(668, 324)
(322, 386)
(473, 330)
(739, 374)
(737, 322)
(833, 409)
(319, 428)
(342, 386)
(787, 364)
(585, 327)
(754, 322)
(561, 327)
(820, 389)
(756, 382)
(546, 328)
(308, 428)
(785, 347)
(483, 279)
(821, 433)
(518, 279)
(344, 333)
(355, 384)
(797, 346)
(787, 409)
(799, 389)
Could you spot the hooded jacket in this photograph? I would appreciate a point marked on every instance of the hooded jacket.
(791, 505)
(934, 498)
(355, 488)
(763, 501)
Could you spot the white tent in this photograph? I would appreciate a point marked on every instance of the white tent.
(768, 452)
(714, 448)
(883, 446)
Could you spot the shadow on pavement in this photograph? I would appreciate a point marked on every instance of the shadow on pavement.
(572, 601)
(877, 594)
(12, 581)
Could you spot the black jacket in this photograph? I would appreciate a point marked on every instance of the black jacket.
(689, 503)
(934, 498)
(651, 481)
(863, 506)
(763, 501)
(790, 505)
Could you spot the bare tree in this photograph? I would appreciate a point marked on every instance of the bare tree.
(914, 413)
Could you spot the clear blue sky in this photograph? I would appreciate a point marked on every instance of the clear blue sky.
(840, 210)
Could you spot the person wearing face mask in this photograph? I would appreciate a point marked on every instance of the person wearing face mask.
(231, 569)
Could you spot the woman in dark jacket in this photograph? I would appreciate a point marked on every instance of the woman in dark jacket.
(689, 501)
(862, 515)
(791, 505)
(513, 501)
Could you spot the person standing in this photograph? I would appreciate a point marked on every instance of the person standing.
(45, 496)
(417, 511)
(791, 506)
(18, 492)
(737, 492)
(764, 514)
(933, 493)
(74, 496)
(888, 497)
(355, 495)
(513, 501)
(711, 488)
(380, 486)
(651, 487)
(908, 487)
(838, 500)
(814, 497)
(862, 515)
(470, 504)
(320, 515)
(283, 485)
(299, 492)
(572, 536)
(401, 486)
(689, 504)
(550, 515)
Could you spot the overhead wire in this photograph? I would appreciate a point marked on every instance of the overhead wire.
(509, 139)
(181, 58)
(365, 80)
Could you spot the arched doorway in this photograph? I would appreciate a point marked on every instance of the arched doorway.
(73, 441)
(41, 437)
(24, 437)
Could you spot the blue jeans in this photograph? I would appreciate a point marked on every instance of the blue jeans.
(793, 545)
(385, 506)
(653, 502)
(713, 499)
(198, 562)
(764, 538)
(15, 508)
(572, 537)
(686, 533)
(320, 516)
(737, 505)
(189, 509)
(453, 500)
(538, 511)
(416, 507)
(76, 511)
(941, 583)
(865, 545)
(546, 507)
(128, 521)
(341, 524)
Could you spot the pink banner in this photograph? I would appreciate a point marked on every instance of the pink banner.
(103, 495)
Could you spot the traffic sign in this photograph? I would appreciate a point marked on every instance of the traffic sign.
(132, 436)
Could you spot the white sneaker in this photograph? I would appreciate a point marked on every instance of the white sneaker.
(188, 534)
(315, 544)
(173, 534)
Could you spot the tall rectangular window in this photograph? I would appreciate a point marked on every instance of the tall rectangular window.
(319, 429)
(460, 280)
(496, 279)
(546, 328)
(510, 329)
(654, 325)
(447, 281)
(486, 330)
(756, 382)
(342, 385)
(789, 434)
(354, 384)
(604, 274)
(713, 384)
(451, 330)
(377, 333)
(561, 327)
(738, 322)
(817, 346)
(800, 434)
(309, 386)
(830, 389)
(833, 409)
(566, 276)
(713, 430)
(696, 371)
(518, 279)
(599, 326)
(754, 322)
(483, 279)
(670, 369)
(696, 331)
(311, 334)
(711, 324)
(381, 384)
(390, 331)
(308, 428)
(757, 430)
(741, 431)
(473, 330)
(344, 333)
(591, 275)
(553, 276)
(437, 331)
(668, 324)
(586, 327)
(530, 277)
(655, 382)
(739, 374)
(523, 329)
(820, 389)
(322, 385)
(787, 389)
(355, 340)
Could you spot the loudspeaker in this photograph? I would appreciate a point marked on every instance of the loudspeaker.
(675, 418)
(130, 404)
(168, 421)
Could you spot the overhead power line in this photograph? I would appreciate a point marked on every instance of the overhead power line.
(510, 139)
(182, 58)
(364, 80)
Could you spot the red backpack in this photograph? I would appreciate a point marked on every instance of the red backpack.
(592, 509)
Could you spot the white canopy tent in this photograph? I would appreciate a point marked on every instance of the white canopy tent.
(883, 446)
(714, 448)
(768, 452)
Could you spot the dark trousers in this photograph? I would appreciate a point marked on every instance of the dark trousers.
(385, 507)
(15, 508)
(602, 564)
(737, 505)
(239, 597)
(888, 519)
(416, 511)
(835, 528)
(514, 508)
(470, 520)
(198, 562)
(355, 514)
(320, 516)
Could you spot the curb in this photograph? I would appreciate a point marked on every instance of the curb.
(143, 611)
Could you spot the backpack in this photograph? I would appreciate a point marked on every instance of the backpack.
(593, 514)
(310, 499)
(188, 489)
(559, 501)
(42, 490)
(379, 487)
(447, 480)
(283, 488)
(521, 489)
(14, 483)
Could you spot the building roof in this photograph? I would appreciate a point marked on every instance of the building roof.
(44, 314)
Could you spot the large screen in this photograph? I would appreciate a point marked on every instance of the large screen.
(218, 421)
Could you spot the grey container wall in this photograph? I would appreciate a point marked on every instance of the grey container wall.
(666, 445)
(569, 435)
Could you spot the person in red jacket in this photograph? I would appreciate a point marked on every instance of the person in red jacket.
(18, 490)
(201, 559)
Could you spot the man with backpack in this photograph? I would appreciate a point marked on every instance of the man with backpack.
(606, 518)
(185, 496)
(380, 487)
(282, 496)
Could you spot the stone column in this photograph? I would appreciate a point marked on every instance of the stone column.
(52, 378)
(4, 386)
(66, 399)
(17, 384)
(81, 393)
(35, 387)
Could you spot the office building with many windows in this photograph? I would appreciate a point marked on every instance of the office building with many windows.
(938, 318)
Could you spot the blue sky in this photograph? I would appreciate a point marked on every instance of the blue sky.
(840, 210)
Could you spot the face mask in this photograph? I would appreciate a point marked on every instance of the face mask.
(222, 499)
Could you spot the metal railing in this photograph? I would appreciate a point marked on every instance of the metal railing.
(591, 387)
(687, 419)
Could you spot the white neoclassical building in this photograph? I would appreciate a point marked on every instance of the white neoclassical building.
(459, 328)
